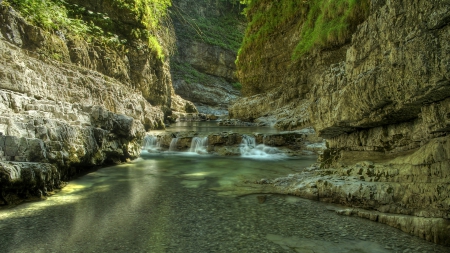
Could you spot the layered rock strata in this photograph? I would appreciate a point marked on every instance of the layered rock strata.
(302, 142)
(382, 103)
(203, 67)
(60, 117)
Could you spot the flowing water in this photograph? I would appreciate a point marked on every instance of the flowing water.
(199, 145)
(192, 202)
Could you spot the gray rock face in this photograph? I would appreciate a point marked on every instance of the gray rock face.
(44, 144)
(135, 66)
(203, 72)
(382, 103)
(391, 195)
(60, 118)
(389, 74)
(27, 180)
(213, 95)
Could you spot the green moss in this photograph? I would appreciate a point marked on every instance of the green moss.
(321, 24)
(237, 86)
(59, 15)
(224, 30)
(188, 73)
(330, 23)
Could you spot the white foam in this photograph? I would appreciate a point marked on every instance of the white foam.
(249, 149)
(151, 144)
(199, 145)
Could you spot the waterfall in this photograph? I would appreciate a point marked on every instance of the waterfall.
(150, 143)
(248, 148)
(199, 145)
(173, 144)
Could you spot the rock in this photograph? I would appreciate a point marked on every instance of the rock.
(228, 143)
(182, 106)
(234, 122)
(203, 66)
(261, 198)
(381, 102)
(27, 179)
(134, 66)
(69, 117)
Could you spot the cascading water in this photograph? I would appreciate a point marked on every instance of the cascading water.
(173, 144)
(199, 145)
(150, 143)
(249, 149)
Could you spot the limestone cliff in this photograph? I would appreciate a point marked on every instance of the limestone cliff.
(208, 35)
(382, 101)
(68, 102)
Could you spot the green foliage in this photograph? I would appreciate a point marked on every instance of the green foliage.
(224, 30)
(188, 73)
(58, 15)
(330, 23)
(237, 86)
(149, 13)
(50, 15)
(56, 56)
(322, 23)
(220, 31)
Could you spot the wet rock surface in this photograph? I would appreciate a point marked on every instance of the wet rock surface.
(229, 143)
(375, 193)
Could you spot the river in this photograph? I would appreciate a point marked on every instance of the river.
(189, 202)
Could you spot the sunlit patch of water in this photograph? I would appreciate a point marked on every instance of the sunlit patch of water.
(190, 203)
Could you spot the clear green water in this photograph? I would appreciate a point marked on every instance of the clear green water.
(191, 203)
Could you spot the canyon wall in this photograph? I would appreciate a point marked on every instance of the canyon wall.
(68, 103)
(208, 35)
(382, 102)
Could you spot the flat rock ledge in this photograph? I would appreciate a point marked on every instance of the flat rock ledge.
(369, 191)
(291, 143)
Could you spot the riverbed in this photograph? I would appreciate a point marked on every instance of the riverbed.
(189, 202)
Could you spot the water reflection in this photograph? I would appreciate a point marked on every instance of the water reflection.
(191, 203)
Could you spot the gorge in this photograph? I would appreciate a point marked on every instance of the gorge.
(367, 91)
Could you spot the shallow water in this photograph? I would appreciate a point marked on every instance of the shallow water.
(173, 202)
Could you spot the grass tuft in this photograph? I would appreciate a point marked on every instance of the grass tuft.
(59, 15)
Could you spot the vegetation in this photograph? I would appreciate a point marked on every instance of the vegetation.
(185, 71)
(215, 22)
(222, 30)
(237, 86)
(330, 23)
(322, 23)
(188, 73)
(62, 16)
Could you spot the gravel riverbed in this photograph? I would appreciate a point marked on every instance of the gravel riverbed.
(176, 205)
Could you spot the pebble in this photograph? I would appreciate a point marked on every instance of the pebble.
(170, 218)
